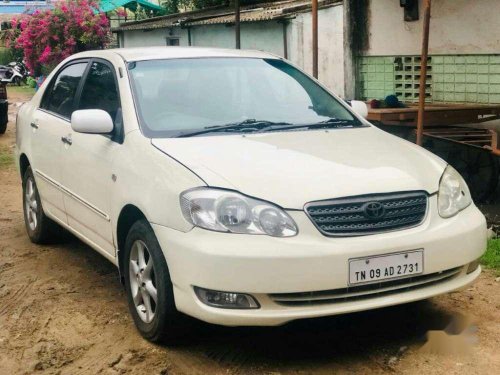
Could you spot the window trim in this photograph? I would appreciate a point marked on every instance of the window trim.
(52, 82)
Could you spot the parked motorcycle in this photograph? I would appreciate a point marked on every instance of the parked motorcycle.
(14, 72)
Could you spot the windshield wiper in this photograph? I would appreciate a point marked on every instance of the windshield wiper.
(245, 126)
(326, 124)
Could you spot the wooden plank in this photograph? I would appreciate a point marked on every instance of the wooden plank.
(435, 116)
(485, 141)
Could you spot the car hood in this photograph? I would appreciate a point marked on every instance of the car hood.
(296, 167)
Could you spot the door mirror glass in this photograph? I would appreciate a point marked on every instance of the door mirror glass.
(360, 108)
(91, 121)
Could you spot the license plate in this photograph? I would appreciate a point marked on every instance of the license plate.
(385, 267)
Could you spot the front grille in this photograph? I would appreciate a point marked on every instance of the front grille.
(364, 291)
(368, 214)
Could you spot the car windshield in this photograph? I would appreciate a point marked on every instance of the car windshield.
(176, 97)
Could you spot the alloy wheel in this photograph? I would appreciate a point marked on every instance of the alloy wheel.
(31, 204)
(143, 281)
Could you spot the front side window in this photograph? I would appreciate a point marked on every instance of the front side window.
(100, 91)
(61, 95)
(178, 96)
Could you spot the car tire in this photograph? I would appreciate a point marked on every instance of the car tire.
(3, 128)
(147, 277)
(41, 230)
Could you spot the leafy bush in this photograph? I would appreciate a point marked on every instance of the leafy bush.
(47, 37)
(5, 56)
(31, 82)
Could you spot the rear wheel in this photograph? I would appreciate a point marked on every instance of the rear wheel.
(40, 228)
(149, 288)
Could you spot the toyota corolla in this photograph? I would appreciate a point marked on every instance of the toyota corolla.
(232, 187)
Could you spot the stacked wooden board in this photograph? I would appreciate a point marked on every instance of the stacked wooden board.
(448, 122)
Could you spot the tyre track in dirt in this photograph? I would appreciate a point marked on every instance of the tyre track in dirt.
(63, 311)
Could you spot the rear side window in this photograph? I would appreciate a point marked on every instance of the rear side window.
(61, 95)
(100, 91)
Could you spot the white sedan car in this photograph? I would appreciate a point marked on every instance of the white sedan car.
(232, 187)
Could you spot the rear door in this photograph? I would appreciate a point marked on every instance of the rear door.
(87, 163)
(51, 122)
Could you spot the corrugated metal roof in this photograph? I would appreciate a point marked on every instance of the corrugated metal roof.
(225, 15)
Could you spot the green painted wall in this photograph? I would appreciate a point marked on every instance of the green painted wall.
(450, 78)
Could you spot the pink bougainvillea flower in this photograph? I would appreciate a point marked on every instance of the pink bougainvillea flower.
(49, 36)
(45, 56)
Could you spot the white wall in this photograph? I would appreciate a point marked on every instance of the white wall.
(265, 36)
(457, 27)
(153, 38)
(330, 46)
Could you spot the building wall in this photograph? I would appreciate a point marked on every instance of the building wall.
(268, 36)
(464, 47)
(152, 38)
(457, 27)
(265, 36)
(330, 46)
(450, 78)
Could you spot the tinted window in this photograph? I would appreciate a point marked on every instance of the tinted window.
(180, 95)
(99, 90)
(60, 97)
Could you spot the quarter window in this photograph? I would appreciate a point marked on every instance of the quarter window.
(60, 97)
(100, 91)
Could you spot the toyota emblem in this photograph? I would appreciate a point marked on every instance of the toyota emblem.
(374, 210)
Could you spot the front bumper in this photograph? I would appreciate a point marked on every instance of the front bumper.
(263, 265)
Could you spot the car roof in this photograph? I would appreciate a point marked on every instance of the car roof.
(159, 53)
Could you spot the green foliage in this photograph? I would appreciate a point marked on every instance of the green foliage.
(200, 4)
(172, 6)
(5, 56)
(31, 82)
(8, 38)
(142, 13)
(175, 6)
(491, 258)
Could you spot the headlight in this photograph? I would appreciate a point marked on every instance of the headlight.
(227, 211)
(454, 195)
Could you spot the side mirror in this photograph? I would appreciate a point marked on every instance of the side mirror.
(91, 121)
(360, 108)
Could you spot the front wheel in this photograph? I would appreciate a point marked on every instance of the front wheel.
(40, 228)
(149, 288)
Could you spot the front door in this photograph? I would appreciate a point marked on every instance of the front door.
(87, 162)
(50, 124)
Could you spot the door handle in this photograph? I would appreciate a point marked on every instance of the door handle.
(34, 125)
(67, 140)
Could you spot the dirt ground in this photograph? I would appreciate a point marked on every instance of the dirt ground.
(63, 311)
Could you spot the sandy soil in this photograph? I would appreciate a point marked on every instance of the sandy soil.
(63, 311)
